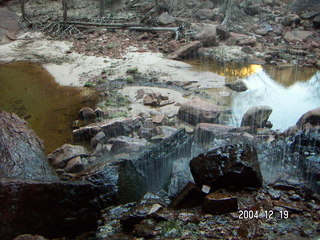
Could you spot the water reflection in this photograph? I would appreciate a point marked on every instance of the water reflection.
(28, 90)
(288, 103)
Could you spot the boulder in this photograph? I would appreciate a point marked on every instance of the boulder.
(190, 196)
(187, 50)
(205, 13)
(22, 152)
(125, 144)
(229, 166)
(219, 203)
(247, 42)
(75, 165)
(53, 209)
(311, 117)
(297, 35)
(290, 19)
(316, 22)
(87, 113)
(121, 127)
(222, 32)
(207, 35)
(62, 155)
(196, 111)
(306, 141)
(87, 132)
(99, 138)
(256, 116)
(205, 132)
(29, 237)
(121, 181)
(9, 20)
(166, 19)
(238, 86)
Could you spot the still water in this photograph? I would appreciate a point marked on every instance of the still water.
(290, 91)
(28, 90)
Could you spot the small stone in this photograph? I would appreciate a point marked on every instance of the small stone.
(87, 113)
(158, 119)
(238, 86)
(205, 189)
(295, 197)
(219, 203)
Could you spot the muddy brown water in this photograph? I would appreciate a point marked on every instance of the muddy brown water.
(28, 90)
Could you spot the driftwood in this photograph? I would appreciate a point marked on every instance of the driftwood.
(177, 30)
(108, 25)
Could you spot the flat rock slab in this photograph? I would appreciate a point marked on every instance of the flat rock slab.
(219, 203)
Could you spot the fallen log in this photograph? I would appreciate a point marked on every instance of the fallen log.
(111, 25)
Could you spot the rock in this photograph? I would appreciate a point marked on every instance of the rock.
(306, 140)
(196, 111)
(121, 127)
(222, 32)
(256, 116)
(121, 181)
(296, 35)
(311, 117)
(290, 19)
(252, 9)
(238, 86)
(99, 138)
(247, 50)
(51, 209)
(166, 19)
(207, 35)
(205, 132)
(99, 112)
(189, 197)
(205, 13)
(155, 99)
(219, 203)
(87, 113)
(60, 157)
(157, 161)
(187, 50)
(75, 165)
(22, 153)
(316, 22)
(87, 132)
(309, 15)
(158, 119)
(29, 237)
(232, 165)
(247, 42)
(9, 20)
(124, 144)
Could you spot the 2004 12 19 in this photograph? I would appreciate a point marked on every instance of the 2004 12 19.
(267, 214)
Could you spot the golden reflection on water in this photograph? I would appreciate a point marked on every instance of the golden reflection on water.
(28, 90)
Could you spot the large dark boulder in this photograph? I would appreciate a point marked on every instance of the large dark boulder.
(229, 166)
(21, 150)
(306, 140)
(121, 181)
(256, 116)
(52, 209)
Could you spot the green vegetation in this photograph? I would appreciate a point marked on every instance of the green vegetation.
(132, 71)
(88, 84)
(130, 80)
(114, 99)
(118, 115)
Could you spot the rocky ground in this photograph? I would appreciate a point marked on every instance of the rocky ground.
(150, 105)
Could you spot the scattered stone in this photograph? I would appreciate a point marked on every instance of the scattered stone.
(296, 35)
(238, 86)
(290, 19)
(247, 42)
(196, 111)
(99, 138)
(156, 99)
(219, 203)
(185, 51)
(87, 113)
(233, 165)
(158, 119)
(311, 117)
(121, 127)
(99, 112)
(309, 15)
(247, 50)
(207, 35)
(87, 132)
(256, 116)
(274, 194)
(316, 22)
(166, 19)
(22, 152)
(206, 189)
(190, 196)
(60, 157)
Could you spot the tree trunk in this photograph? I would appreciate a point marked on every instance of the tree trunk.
(65, 10)
(23, 11)
(102, 7)
(228, 9)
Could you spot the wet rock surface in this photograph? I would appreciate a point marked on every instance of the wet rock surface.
(22, 153)
(256, 116)
(229, 166)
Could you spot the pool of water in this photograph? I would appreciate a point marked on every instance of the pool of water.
(289, 90)
(28, 90)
